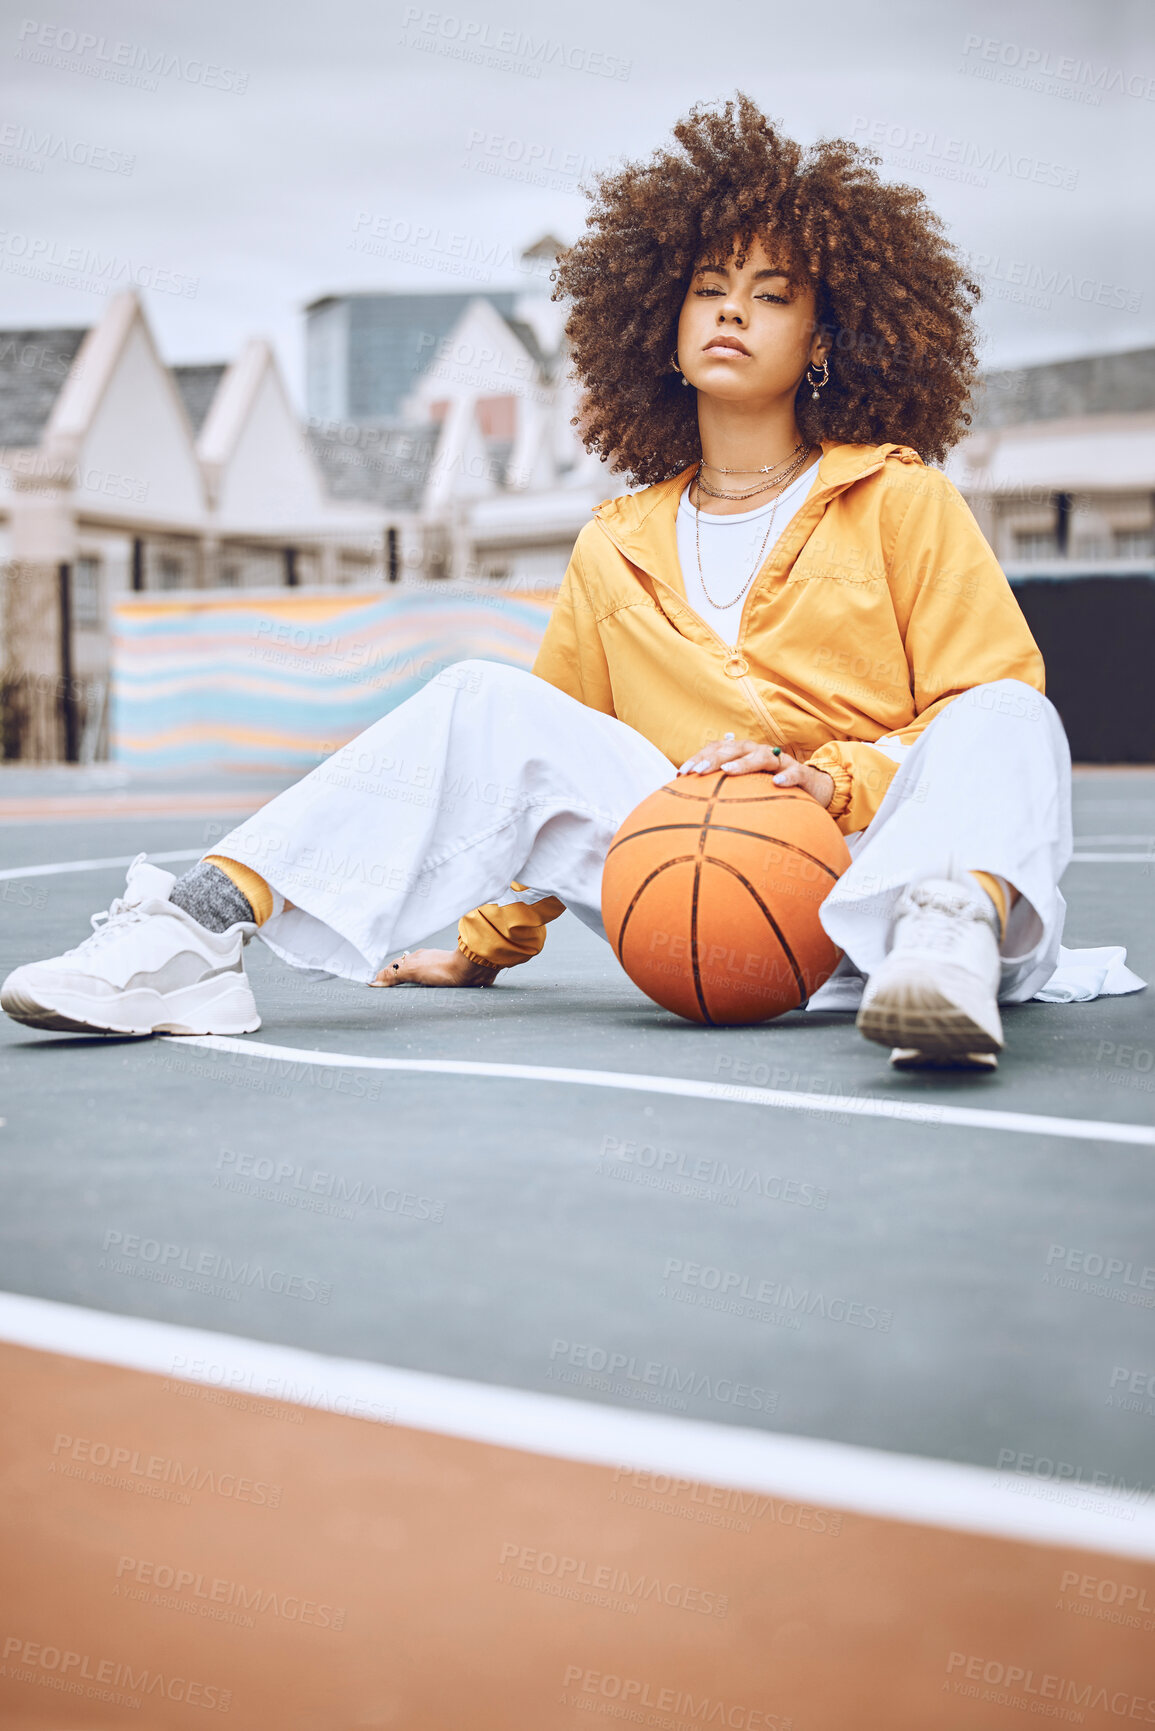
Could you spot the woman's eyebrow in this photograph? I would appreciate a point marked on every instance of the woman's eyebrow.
(724, 270)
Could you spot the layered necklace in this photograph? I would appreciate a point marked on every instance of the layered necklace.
(781, 475)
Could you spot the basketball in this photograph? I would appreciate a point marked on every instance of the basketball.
(710, 897)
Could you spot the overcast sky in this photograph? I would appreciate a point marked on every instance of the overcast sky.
(288, 151)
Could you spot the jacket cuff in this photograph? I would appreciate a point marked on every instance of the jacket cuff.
(861, 777)
(839, 774)
(479, 961)
(497, 936)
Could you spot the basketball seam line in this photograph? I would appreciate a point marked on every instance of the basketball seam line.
(619, 946)
(803, 995)
(703, 831)
(730, 829)
(746, 799)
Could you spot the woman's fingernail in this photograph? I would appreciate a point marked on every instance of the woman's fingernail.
(779, 780)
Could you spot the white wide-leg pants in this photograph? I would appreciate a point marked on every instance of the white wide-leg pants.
(489, 776)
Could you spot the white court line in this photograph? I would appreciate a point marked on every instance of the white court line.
(1028, 1123)
(849, 1105)
(873, 1482)
(96, 865)
(93, 865)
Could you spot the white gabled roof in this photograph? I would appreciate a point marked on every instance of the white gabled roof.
(482, 356)
(260, 472)
(119, 422)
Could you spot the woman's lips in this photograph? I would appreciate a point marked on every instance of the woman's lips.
(727, 347)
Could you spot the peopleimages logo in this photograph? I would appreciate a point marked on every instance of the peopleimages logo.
(717, 1505)
(287, 1182)
(962, 154)
(476, 40)
(1106, 1590)
(1069, 1475)
(60, 1668)
(55, 147)
(1101, 1275)
(706, 1175)
(576, 1572)
(215, 1592)
(86, 267)
(1032, 64)
(1021, 1686)
(634, 1692)
(123, 62)
(131, 1250)
(630, 1374)
(1017, 278)
(732, 1286)
(156, 1471)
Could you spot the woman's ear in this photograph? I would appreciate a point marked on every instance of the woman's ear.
(821, 342)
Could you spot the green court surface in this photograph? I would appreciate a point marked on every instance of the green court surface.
(966, 1292)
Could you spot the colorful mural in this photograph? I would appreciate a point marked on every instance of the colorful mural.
(275, 679)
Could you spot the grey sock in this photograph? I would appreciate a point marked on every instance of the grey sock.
(213, 900)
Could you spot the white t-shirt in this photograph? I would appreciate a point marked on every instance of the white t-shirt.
(730, 552)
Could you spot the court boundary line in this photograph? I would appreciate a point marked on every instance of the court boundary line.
(916, 1489)
(195, 853)
(93, 865)
(846, 1105)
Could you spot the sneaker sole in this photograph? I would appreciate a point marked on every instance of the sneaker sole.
(912, 1013)
(220, 1006)
(910, 1058)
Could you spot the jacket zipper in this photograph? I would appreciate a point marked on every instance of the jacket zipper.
(746, 682)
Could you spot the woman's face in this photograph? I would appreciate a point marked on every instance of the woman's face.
(747, 336)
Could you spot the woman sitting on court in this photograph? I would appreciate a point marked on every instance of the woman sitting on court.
(772, 345)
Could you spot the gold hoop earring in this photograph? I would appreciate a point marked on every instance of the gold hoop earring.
(817, 384)
(677, 368)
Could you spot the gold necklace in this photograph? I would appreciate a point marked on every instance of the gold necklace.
(768, 470)
(723, 606)
(750, 492)
(779, 473)
(781, 478)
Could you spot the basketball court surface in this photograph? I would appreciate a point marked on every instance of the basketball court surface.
(516, 1359)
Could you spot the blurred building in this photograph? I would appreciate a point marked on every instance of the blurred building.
(364, 352)
(121, 475)
(455, 409)
(1060, 465)
(1060, 472)
(438, 454)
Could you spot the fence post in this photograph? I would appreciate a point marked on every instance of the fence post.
(67, 685)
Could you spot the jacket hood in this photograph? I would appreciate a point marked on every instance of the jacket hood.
(642, 524)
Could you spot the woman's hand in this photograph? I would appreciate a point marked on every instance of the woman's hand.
(746, 757)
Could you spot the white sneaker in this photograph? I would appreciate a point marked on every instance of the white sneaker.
(148, 968)
(936, 994)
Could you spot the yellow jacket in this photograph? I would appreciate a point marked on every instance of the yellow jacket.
(879, 603)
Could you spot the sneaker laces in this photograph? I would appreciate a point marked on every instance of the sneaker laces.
(933, 912)
(958, 902)
(122, 912)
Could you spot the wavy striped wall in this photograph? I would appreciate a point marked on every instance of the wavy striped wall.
(274, 679)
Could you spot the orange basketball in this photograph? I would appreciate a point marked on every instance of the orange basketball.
(711, 892)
